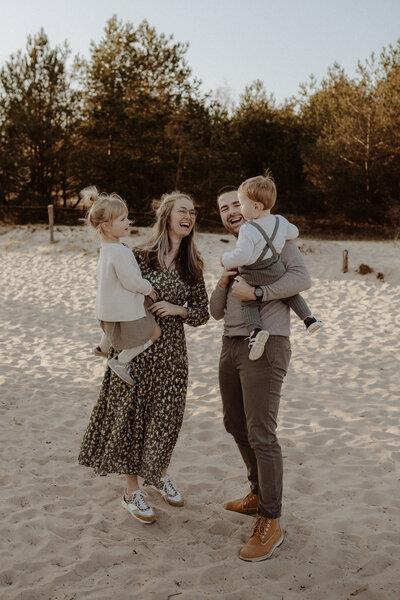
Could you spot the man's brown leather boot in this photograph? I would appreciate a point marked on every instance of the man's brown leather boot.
(246, 506)
(265, 537)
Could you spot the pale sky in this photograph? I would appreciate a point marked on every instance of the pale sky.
(232, 42)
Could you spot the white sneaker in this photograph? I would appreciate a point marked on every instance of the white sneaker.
(137, 506)
(121, 370)
(257, 341)
(169, 492)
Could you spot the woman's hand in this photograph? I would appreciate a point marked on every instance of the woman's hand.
(226, 277)
(166, 309)
(242, 290)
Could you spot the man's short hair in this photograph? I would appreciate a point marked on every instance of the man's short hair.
(225, 189)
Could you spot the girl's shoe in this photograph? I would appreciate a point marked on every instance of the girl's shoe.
(97, 351)
(169, 492)
(121, 370)
(137, 506)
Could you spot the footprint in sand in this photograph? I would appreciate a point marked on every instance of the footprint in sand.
(204, 436)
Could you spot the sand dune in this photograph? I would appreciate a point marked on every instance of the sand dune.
(64, 534)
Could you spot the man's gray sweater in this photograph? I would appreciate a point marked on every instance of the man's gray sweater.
(275, 315)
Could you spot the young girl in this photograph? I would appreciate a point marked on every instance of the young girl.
(257, 255)
(125, 322)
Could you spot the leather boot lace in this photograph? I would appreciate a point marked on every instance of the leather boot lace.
(249, 498)
(262, 525)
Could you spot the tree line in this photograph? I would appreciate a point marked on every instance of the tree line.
(133, 119)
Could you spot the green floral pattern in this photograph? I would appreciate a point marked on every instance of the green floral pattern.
(134, 429)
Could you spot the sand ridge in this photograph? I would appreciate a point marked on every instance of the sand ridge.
(64, 533)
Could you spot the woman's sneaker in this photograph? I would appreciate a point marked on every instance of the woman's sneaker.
(137, 506)
(257, 340)
(312, 324)
(169, 492)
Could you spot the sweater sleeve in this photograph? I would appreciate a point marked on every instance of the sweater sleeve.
(295, 280)
(197, 305)
(291, 232)
(243, 251)
(129, 274)
(218, 302)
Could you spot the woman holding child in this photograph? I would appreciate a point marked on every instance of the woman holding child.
(134, 428)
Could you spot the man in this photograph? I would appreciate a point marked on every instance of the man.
(250, 390)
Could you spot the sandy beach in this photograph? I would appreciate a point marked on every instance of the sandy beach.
(64, 534)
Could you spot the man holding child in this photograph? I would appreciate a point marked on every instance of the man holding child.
(250, 389)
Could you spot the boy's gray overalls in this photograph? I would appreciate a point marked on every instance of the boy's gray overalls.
(263, 272)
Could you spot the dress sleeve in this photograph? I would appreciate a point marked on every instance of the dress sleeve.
(197, 305)
(139, 256)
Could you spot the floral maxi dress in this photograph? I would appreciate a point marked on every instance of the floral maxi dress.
(133, 429)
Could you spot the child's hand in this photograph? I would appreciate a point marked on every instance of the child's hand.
(153, 295)
(226, 277)
(220, 262)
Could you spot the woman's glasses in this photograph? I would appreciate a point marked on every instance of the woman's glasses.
(183, 212)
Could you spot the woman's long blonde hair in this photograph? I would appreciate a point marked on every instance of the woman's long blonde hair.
(188, 262)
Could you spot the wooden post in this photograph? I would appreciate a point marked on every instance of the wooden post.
(345, 261)
(50, 209)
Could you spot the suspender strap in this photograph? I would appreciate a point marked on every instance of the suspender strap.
(269, 244)
(275, 229)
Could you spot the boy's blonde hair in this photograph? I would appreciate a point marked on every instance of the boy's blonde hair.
(105, 207)
(260, 189)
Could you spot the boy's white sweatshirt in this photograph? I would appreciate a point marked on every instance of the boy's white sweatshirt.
(250, 242)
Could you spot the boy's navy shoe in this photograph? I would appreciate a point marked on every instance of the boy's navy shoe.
(312, 324)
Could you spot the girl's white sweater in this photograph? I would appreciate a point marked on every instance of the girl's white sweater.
(120, 285)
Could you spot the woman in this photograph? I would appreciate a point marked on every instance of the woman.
(133, 429)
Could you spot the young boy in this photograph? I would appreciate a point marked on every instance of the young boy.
(257, 255)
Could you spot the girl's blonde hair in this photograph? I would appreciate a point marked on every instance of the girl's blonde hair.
(189, 263)
(104, 207)
(260, 189)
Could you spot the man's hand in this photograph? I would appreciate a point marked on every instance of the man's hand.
(226, 277)
(242, 290)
